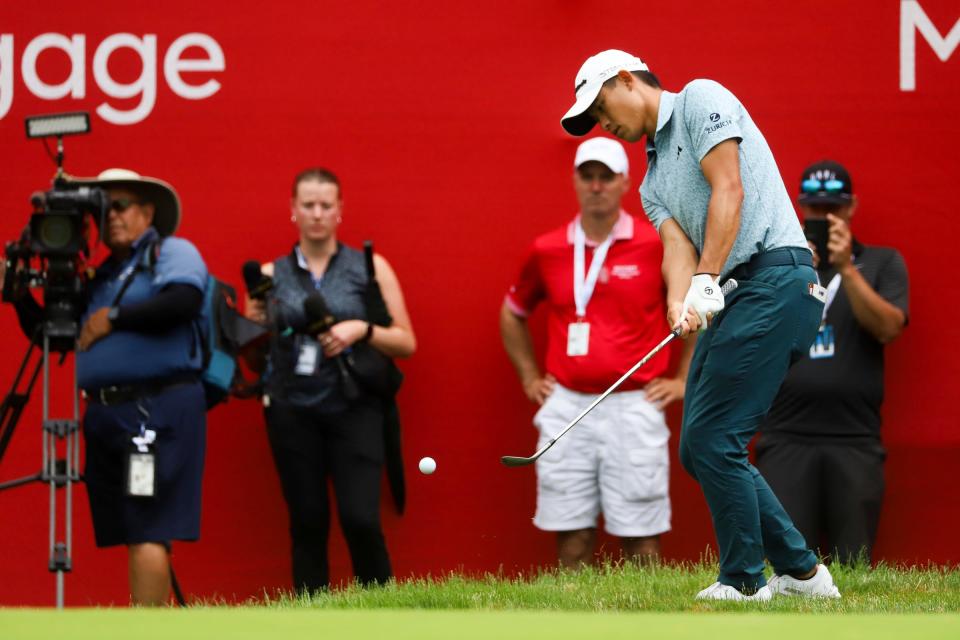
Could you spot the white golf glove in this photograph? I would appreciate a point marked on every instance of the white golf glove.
(703, 297)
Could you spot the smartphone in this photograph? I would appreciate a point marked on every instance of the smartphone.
(818, 232)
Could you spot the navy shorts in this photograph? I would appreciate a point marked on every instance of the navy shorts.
(178, 415)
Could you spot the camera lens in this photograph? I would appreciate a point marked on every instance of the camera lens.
(56, 232)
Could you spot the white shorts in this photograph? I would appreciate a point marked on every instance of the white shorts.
(614, 460)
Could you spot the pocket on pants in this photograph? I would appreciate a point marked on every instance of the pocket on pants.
(646, 475)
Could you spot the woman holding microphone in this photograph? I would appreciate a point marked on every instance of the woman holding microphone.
(319, 424)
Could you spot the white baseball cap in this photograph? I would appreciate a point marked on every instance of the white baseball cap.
(609, 152)
(594, 72)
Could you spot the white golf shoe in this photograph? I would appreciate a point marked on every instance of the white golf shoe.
(718, 591)
(819, 586)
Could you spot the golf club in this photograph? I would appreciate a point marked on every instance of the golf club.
(519, 461)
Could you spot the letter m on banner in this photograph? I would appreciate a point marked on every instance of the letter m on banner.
(913, 19)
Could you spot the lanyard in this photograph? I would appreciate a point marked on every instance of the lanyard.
(832, 289)
(136, 265)
(583, 286)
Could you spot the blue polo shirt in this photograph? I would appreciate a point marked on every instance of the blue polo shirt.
(128, 357)
(689, 125)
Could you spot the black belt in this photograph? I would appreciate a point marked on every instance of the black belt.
(779, 257)
(120, 394)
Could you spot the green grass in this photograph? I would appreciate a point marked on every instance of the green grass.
(607, 603)
(260, 623)
(664, 589)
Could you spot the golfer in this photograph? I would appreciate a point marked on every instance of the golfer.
(713, 191)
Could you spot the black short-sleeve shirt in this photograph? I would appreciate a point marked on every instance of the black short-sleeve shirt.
(840, 397)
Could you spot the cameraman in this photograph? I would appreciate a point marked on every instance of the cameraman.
(138, 363)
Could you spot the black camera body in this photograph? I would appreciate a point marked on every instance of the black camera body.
(58, 230)
(50, 254)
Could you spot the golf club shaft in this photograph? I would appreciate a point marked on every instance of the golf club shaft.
(516, 461)
(673, 334)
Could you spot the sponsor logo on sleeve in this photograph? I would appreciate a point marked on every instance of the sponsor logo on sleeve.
(718, 123)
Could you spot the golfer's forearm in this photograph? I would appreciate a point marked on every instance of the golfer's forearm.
(679, 261)
(723, 223)
(518, 344)
(883, 320)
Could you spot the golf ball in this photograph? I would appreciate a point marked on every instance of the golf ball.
(428, 465)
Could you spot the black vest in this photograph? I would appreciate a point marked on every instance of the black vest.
(342, 287)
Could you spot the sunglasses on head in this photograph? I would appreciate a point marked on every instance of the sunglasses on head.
(813, 185)
(122, 204)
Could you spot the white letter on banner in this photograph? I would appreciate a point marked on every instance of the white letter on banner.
(145, 85)
(912, 19)
(173, 65)
(75, 84)
(6, 73)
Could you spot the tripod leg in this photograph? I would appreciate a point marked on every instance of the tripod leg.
(177, 593)
(14, 402)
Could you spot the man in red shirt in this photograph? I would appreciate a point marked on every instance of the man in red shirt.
(599, 276)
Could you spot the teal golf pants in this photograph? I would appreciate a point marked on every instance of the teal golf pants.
(768, 323)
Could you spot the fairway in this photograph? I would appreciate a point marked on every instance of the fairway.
(604, 602)
(459, 625)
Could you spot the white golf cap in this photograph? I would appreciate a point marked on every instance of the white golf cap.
(609, 152)
(594, 72)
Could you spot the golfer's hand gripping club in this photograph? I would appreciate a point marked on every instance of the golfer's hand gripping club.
(703, 297)
(519, 461)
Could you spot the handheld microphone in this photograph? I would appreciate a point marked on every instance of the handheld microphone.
(319, 319)
(257, 283)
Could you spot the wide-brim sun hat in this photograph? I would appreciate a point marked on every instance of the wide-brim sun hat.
(166, 217)
(586, 86)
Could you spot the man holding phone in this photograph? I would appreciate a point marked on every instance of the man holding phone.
(820, 447)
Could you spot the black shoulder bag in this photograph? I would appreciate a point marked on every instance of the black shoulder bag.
(375, 371)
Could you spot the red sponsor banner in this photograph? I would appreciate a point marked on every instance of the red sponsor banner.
(442, 121)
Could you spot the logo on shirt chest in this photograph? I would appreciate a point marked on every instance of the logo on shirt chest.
(625, 271)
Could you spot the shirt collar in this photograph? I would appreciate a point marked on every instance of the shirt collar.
(302, 260)
(622, 229)
(664, 113)
(112, 264)
(147, 236)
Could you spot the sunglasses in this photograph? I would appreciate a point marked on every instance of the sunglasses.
(813, 185)
(122, 204)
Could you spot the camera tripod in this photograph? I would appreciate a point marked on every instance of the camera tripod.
(61, 444)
